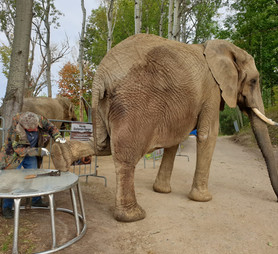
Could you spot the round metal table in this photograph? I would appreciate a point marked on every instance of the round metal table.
(15, 186)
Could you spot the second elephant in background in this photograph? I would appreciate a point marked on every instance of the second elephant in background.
(59, 108)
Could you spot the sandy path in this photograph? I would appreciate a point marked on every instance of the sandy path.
(241, 218)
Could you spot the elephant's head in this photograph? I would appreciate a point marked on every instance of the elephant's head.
(68, 109)
(238, 78)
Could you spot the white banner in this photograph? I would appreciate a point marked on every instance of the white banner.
(82, 127)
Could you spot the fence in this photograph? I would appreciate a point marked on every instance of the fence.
(158, 154)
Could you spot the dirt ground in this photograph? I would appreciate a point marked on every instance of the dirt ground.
(241, 218)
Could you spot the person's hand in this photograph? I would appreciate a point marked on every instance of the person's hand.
(60, 140)
(44, 152)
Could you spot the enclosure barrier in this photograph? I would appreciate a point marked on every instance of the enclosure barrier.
(158, 154)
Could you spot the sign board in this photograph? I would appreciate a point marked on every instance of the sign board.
(81, 131)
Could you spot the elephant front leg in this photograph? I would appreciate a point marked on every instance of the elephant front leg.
(206, 140)
(199, 190)
(126, 208)
(162, 181)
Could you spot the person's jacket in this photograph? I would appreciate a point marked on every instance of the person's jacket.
(17, 146)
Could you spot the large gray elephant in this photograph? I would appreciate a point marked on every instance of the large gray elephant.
(149, 93)
(58, 108)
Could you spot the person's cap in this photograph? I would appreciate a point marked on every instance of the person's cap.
(29, 121)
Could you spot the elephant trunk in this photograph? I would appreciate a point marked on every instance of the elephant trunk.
(261, 133)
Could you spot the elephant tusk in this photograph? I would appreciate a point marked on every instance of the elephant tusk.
(263, 117)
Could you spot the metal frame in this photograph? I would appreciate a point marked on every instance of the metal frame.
(77, 216)
(42, 188)
(157, 157)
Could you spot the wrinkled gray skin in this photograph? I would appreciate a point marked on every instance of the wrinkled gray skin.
(149, 93)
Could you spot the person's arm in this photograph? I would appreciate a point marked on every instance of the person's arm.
(50, 128)
(24, 149)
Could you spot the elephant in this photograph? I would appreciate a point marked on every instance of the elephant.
(150, 92)
(58, 108)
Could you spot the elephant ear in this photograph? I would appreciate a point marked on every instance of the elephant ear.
(221, 59)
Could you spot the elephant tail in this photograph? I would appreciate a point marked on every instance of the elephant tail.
(98, 91)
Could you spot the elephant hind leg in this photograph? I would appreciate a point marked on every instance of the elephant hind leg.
(127, 208)
(126, 154)
(162, 181)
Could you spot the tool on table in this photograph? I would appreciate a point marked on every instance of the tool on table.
(51, 173)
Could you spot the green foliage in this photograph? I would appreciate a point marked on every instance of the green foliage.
(96, 32)
(253, 27)
(7, 17)
(96, 35)
(272, 113)
(227, 118)
(206, 26)
(151, 11)
(197, 23)
(275, 91)
(5, 53)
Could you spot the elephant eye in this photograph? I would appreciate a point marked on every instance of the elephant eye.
(253, 81)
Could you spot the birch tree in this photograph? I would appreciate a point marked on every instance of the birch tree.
(109, 15)
(170, 19)
(13, 100)
(80, 60)
(137, 16)
(162, 13)
(177, 15)
(47, 58)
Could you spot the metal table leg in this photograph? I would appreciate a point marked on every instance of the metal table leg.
(81, 203)
(16, 222)
(51, 203)
(74, 206)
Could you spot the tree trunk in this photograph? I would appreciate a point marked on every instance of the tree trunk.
(170, 20)
(19, 60)
(29, 89)
(109, 15)
(47, 48)
(81, 53)
(161, 18)
(137, 16)
(176, 25)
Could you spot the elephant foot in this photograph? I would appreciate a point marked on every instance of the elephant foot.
(199, 195)
(160, 187)
(134, 213)
(61, 156)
